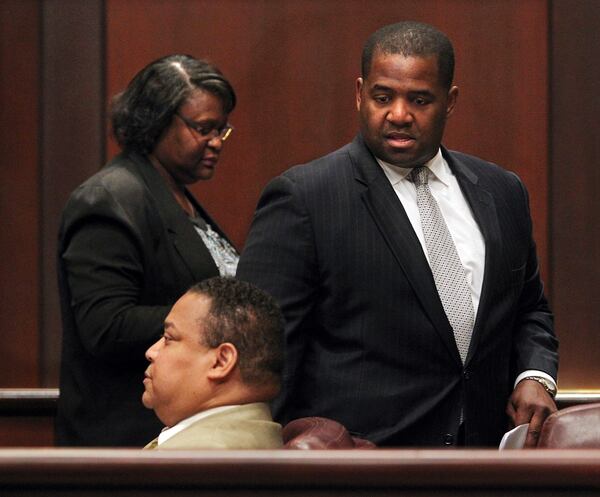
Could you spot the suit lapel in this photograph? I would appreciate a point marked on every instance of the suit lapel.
(484, 211)
(391, 219)
(183, 235)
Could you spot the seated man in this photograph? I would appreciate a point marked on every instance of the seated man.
(217, 364)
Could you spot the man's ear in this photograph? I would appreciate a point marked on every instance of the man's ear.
(452, 98)
(359, 85)
(225, 361)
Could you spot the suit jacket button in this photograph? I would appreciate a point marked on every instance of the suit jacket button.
(448, 439)
(466, 375)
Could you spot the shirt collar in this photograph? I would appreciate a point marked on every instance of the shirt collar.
(438, 166)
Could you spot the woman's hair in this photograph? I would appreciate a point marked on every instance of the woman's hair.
(141, 113)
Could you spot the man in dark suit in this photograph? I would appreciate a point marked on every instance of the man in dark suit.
(378, 334)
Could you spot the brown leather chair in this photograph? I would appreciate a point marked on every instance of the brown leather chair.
(320, 433)
(571, 428)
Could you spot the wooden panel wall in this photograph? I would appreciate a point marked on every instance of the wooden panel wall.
(19, 192)
(293, 64)
(575, 205)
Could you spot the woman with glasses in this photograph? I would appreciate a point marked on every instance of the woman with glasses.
(133, 239)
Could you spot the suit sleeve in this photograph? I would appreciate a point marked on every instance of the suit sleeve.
(104, 270)
(280, 257)
(536, 346)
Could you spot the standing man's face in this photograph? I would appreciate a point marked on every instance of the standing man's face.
(403, 108)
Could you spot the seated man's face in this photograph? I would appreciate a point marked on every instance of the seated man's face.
(175, 382)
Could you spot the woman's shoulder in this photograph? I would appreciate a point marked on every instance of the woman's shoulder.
(120, 177)
(117, 190)
(123, 179)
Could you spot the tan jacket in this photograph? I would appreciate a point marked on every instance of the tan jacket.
(249, 426)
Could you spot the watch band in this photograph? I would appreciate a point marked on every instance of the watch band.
(545, 383)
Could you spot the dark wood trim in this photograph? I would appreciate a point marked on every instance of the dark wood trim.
(72, 138)
(42, 401)
(574, 201)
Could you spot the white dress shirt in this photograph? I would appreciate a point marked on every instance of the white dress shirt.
(456, 211)
(459, 218)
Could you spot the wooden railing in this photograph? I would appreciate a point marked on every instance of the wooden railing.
(299, 473)
(42, 401)
(27, 415)
(28, 401)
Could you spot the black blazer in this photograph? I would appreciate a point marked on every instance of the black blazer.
(367, 339)
(127, 252)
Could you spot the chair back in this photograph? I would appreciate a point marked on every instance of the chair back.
(320, 433)
(571, 428)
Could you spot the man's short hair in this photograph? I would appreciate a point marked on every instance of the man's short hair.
(411, 39)
(251, 320)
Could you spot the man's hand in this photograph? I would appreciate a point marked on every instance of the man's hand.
(530, 403)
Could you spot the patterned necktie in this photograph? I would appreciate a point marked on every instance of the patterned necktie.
(448, 272)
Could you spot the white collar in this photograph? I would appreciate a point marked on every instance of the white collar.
(169, 432)
(437, 165)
